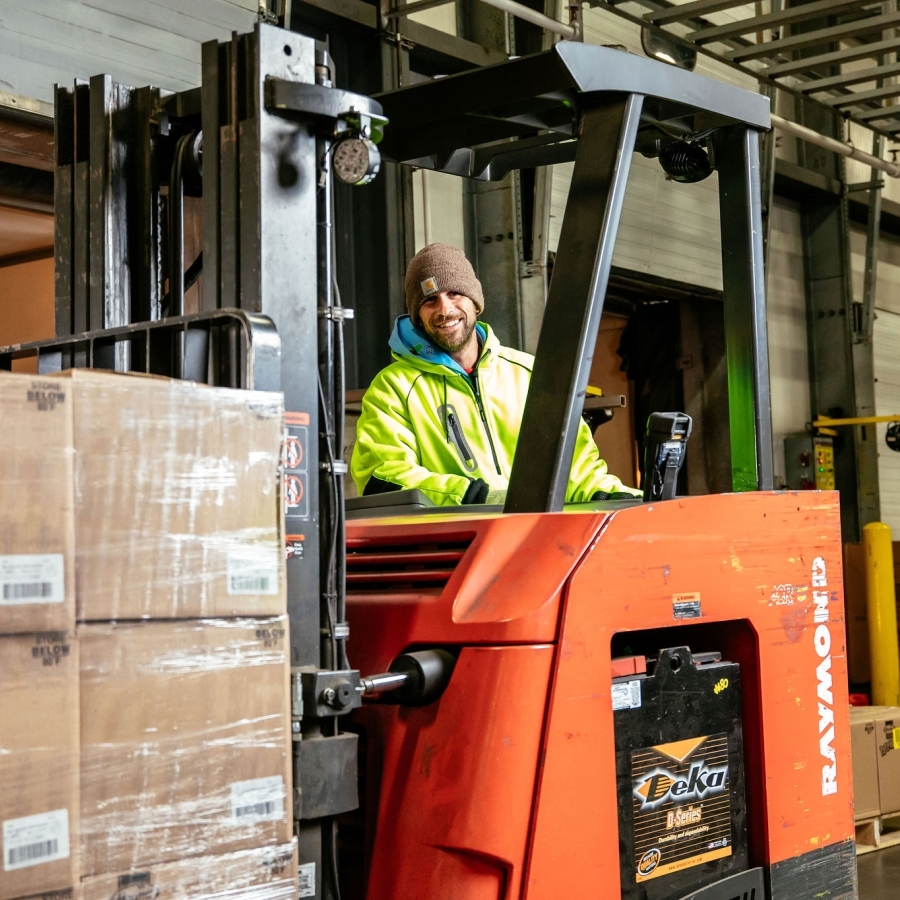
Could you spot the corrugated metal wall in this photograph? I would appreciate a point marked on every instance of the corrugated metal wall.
(137, 42)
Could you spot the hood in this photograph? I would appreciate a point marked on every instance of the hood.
(411, 345)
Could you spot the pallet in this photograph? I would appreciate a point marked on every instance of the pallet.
(877, 833)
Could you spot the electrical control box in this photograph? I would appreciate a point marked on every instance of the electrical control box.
(809, 462)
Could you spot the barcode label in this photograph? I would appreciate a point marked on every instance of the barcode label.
(244, 584)
(250, 572)
(257, 800)
(26, 591)
(307, 873)
(33, 840)
(259, 810)
(32, 578)
(32, 853)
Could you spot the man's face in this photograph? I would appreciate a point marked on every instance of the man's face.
(448, 319)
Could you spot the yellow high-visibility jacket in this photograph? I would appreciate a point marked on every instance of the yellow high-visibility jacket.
(426, 424)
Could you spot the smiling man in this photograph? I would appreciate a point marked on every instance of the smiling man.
(444, 417)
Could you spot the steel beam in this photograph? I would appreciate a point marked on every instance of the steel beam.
(64, 134)
(858, 97)
(552, 412)
(872, 115)
(779, 19)
(866, 436)
(691, 10)
(814, 38)
(832, 58)
(821, 85)
(829, 316)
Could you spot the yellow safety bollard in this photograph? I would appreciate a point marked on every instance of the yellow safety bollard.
(882, 614)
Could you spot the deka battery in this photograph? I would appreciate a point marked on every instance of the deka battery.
(680, 775)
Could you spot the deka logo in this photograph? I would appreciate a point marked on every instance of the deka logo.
(661, 785)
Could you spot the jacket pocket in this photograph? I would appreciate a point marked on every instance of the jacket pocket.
(455, 436)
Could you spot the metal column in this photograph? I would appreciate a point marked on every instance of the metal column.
(863, 354)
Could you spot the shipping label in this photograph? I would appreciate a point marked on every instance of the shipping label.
(32, 578)
(257, 800)
(33, 840)
(252, 572)
(681, 801)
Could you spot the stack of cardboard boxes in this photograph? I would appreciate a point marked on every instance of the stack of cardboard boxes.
(144, 670)
(875, 745)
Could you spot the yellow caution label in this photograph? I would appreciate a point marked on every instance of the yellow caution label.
(895, 734)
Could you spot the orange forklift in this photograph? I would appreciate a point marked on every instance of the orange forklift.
(617, 699)
(645, 700)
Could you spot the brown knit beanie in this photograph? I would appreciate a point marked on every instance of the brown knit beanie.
(436, 268)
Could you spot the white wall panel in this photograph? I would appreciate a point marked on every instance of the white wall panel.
(438, 209)
(137, 42)
(668, 229)
(786, 320)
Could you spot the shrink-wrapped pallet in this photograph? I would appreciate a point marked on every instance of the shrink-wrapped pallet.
(185, 740)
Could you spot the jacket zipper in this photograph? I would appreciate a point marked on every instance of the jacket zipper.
(480, 406)
(460, 441)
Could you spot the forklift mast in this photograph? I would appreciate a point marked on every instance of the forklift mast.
(258, 142)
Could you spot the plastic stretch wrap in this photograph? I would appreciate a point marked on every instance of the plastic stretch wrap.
(185, 740)
(177, 503)
(266, 873)
(37, 572)
(38, 764)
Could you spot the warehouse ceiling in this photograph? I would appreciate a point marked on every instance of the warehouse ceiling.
(841, 53)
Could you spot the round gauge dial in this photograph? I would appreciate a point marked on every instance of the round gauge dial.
(356, 160)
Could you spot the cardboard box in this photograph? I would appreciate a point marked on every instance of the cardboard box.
(887, 737)
(864, 751)
(185, 740)
(178, 508)
(37, 572)
(38, 764)
(267, 873)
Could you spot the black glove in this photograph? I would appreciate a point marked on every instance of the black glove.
(476, 492)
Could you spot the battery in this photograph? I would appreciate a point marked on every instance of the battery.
(679, 774)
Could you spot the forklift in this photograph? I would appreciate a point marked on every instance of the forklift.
(644, 700)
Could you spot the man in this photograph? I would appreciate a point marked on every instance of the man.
(444, 417)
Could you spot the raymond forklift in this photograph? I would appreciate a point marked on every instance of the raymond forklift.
(637, 700)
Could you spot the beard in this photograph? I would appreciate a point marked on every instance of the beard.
(451, 344)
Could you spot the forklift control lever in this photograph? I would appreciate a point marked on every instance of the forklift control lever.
(665, 445)
(415, 678)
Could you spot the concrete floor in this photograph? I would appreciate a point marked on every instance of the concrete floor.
(879, 874)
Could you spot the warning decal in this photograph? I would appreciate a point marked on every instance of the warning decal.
(681, 801)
